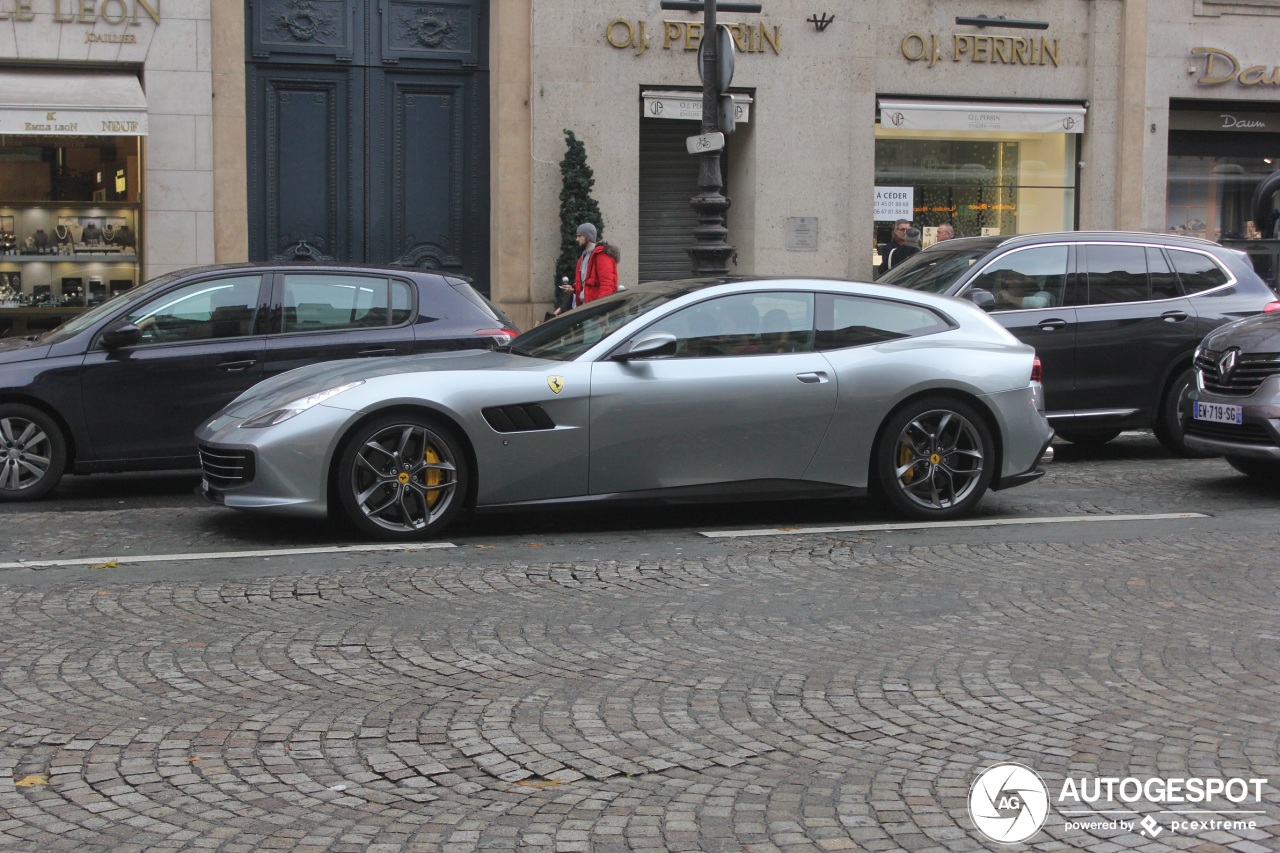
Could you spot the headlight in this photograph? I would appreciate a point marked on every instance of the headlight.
(296, 407)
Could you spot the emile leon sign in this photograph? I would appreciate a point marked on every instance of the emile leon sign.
(130, 12)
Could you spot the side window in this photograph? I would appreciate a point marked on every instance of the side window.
(851, 321)
(1164, 284)
(204, 310)
(743, 324)
(325, 302)
(1031, 278)
(1116, 274)
(1197, 272)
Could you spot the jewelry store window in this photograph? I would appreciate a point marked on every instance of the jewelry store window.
(70, 216)
(1016, 175)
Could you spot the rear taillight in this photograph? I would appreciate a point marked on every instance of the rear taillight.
(1037, 372)
(1271, 308)
(496, 333)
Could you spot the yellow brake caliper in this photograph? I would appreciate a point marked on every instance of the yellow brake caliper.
(434, 476)
(905, 454)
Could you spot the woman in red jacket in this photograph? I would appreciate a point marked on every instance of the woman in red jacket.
(597, 274)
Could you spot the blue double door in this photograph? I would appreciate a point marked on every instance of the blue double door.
(368, 132)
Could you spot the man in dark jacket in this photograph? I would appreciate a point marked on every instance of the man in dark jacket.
(899, 238)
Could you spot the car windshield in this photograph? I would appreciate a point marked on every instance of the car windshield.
(933, 270)
(83, 321)
(569, 335)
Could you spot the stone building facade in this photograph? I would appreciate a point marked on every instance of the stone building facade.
(999, 116)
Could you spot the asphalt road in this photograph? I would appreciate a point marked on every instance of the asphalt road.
(610, 680)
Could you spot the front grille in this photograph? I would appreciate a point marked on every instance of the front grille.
(225, 468)
(1244, 378)
(1244, 433)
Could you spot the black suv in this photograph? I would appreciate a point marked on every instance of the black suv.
(1115, 317)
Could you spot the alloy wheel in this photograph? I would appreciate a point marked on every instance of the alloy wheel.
(404, 477)
(939, 460)
(26, 454)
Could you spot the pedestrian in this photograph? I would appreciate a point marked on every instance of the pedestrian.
(899, 235)
(898, 254)
(597, 268)
(946, 231)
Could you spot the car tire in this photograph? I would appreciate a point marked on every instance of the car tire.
(402, 477)
(33, 453)
(1087, 439)
(1168, 425)
(935, 459)
(1257, 469)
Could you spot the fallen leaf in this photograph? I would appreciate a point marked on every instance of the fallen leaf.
(109, 564)
(190, 760)
(31, 781)
(534, 545)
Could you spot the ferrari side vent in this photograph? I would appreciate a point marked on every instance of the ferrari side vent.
(523, 418)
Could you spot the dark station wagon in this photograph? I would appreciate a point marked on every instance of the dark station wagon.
(123, 386)
(1115, 317)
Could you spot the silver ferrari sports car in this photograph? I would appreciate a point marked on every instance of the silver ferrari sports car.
(706, 390)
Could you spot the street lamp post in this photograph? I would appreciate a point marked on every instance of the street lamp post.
(710, 253)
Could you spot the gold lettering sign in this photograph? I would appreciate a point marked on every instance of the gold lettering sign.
(111, 12)
(982, 50)
(1222, 67)
(687, 35)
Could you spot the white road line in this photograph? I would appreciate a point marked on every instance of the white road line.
(933, 525)
(121, 559)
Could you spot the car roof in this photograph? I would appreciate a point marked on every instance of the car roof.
(1010, 240)
(318, 266)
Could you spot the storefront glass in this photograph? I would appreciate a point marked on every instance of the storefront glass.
(70, 220)
(1217, 158)
(982, 183)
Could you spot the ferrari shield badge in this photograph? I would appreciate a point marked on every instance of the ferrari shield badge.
(556, 383)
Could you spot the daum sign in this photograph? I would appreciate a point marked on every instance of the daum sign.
(122, 12)
(1221, 67)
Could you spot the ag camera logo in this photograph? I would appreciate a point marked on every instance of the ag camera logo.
(1008, 803)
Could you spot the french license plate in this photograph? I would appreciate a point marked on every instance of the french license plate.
(1218, 413)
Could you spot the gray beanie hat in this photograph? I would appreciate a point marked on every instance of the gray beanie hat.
(587, 230)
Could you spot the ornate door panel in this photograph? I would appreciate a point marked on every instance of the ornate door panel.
(308, 166)
(368, 132)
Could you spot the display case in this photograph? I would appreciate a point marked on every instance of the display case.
(70, 222)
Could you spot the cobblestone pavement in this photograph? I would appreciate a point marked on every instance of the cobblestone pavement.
(809, 692)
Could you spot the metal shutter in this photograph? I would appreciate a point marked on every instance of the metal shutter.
(668, 179)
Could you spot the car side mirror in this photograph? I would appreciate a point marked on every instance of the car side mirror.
(657, 345)
(982, 298)
(123, 336)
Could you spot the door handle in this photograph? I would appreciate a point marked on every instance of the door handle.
(1173, 316)
(1052, 325)
(369, 353)
(815, 378)
(237, 366)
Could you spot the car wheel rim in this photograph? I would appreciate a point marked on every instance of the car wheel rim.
(938, 459)
(404, 477)
(26, 452)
